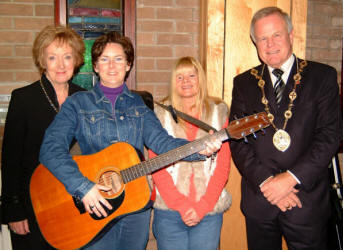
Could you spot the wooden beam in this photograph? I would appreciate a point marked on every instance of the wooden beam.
(60, 12)
(212, 48)
(129, 12)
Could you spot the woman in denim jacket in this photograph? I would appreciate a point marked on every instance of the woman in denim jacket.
(107, 114)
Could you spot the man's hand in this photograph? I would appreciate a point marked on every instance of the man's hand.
(289, 202)
(278, 187)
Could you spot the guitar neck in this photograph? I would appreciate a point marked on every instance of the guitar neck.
(162, 160)
(235, 130)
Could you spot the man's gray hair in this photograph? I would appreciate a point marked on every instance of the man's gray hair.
(266, 12)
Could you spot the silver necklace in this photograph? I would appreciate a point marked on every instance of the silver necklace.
(47, 97)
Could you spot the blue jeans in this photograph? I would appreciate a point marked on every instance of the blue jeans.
(130, 232)
(172, 234)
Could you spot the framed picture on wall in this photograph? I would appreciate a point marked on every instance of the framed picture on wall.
(91, 19)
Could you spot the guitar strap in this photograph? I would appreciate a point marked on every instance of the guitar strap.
(176, 113)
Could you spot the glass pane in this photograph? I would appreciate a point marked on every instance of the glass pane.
(91, 19)
(87, 67)
(85, 80)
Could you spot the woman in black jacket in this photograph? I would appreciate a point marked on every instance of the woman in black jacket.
(58, 54)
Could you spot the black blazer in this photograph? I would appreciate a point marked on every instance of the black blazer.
(315, 129)
(29, 115)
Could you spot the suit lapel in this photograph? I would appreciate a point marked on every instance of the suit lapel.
(303, 75)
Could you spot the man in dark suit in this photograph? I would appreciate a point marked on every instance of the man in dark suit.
(285, 189)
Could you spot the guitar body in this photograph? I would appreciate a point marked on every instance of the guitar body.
(61, 222)
(66, 225)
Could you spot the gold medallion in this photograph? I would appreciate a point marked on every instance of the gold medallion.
(281, 140)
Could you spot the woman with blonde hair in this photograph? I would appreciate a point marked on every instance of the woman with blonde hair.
(57, 53)
(191, 198)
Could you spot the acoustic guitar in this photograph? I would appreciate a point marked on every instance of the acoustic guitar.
(63, 220)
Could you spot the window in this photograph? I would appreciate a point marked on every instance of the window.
(90, 19)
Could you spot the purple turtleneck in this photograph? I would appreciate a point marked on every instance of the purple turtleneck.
(112, 93)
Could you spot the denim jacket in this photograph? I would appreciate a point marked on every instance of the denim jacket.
(90, 118)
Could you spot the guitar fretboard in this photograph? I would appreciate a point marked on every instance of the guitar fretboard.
(235, 130)
(162, 160)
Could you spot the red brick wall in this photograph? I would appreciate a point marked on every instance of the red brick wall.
(166, 30)
(20, 20)
(324, 32)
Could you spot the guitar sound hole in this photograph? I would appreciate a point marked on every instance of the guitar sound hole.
(113, 180)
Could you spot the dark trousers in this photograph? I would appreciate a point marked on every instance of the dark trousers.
(299, 235)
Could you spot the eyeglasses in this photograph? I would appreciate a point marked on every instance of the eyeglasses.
(116, 60)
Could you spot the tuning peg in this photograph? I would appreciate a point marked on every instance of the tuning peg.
(252, 131)
(263, 131)
(245, 139)
(235, 117)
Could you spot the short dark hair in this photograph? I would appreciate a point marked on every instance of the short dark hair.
(113, 37)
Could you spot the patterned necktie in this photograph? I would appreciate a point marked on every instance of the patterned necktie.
(279, 85)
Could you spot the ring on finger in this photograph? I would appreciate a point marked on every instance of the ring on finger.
(91, 206)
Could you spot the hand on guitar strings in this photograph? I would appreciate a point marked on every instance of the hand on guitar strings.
(94, 201)
(212, 146)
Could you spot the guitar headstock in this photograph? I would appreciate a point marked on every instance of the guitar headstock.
(247, 125)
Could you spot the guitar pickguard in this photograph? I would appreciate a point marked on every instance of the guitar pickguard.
(109, 177)
(115, 203)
